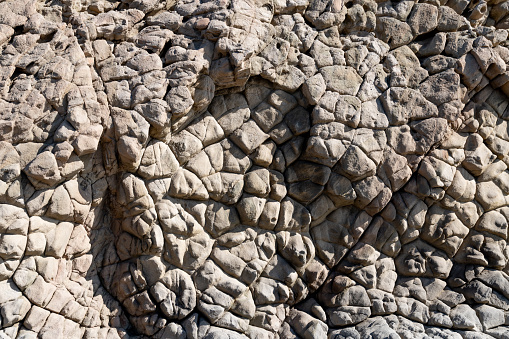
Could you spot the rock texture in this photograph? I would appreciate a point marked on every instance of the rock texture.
(254, 169)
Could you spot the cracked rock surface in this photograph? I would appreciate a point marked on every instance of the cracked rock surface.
(254, 169)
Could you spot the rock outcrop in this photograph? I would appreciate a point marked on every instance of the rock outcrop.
(254, 169)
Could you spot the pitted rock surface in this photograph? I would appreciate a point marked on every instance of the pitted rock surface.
(254, 169)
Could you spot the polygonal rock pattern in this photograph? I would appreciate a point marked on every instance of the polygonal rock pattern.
(254, 169)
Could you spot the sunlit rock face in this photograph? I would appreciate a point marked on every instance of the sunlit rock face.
(254, 169)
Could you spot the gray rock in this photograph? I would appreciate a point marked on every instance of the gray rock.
(423, 18)
(176, 294)
(442, 87)
(249, 137)
(393, 31)
(314, 88)
(404, 104)
(208, 169)
(341, 79)
(464, 317)
(490, 317)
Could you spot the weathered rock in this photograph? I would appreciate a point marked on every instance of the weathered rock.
(464, 317)
(404, 104)
(43, 170)
(423, 18)
(393, 31)
(356, 165)
(341, 79)
(314, 88)
(249, 137)
(175, 293)
(442, 87)
(157, 161)
(198, 169)
(421, 259)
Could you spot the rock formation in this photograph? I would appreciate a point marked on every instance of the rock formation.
(254, 169)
